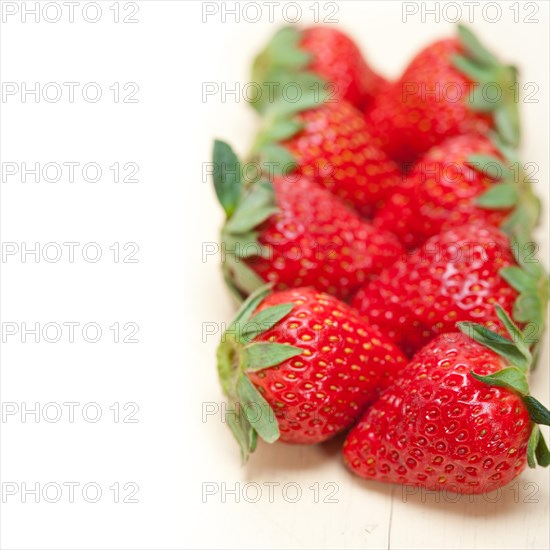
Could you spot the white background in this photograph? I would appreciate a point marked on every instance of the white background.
(170, 453)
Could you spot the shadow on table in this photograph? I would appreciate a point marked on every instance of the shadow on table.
(502, 501)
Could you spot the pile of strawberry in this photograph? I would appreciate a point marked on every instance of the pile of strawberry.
(380, 235)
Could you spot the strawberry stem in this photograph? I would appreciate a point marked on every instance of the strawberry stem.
(238, 354)
(514, 377)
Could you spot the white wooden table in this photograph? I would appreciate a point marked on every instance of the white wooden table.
(367, 514)
(180, 454)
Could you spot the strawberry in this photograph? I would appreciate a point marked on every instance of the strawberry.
(325, 54)
(315, 127)
(452, 87)
(293, 233)
(458, 417)
(329, 142)
(299, 366)
(335, 147)
(337, 59)
(458, 275)
(464, 180)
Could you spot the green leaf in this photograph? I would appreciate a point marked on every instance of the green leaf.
(226, 176)
(257, 410)
(535, 352)
(525, 217)
(528, 307)
(508, 152)
(251, 411)
(500, 195)
(282, 61)
(264, 320)
(250, 305)
(262, 355)
(537, 450)
(488, 165)
(282, 91)
(281, 130)
(515, 334)
(237, 295)
(502, 346)
(518, 279)
(242, 276)
(474, 47)
(284, 50)
(243, 245)
(538, 413)
(532, 445)
(281, 160)
(481, 66)
(250, 217)
(535, 268)
(531, 281)
(308, 99)
(242, 431)
(507, 123)
(474, 71)
(542, 453)
(258, 205)
(525, 254)
(477, 102)
(253, 440)
(225, 363)
(517, 224)
(506, 116)
(510, 378)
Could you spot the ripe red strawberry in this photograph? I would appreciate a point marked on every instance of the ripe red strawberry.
(323, 53)
(452, 87)
(458, 275)
(464, 180)
(300, 366)
(336, 148)
(458, 417)
(337, 59)
(294, 233)
(330, 143)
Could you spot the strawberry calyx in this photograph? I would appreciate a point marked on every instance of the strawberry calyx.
(247, 204)
(514, 190)
(280, 123)
(531, 281)
(485, 70)
(282, 65)
(251, 415)
(287, 89)
(525, 217)
(518, 357)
